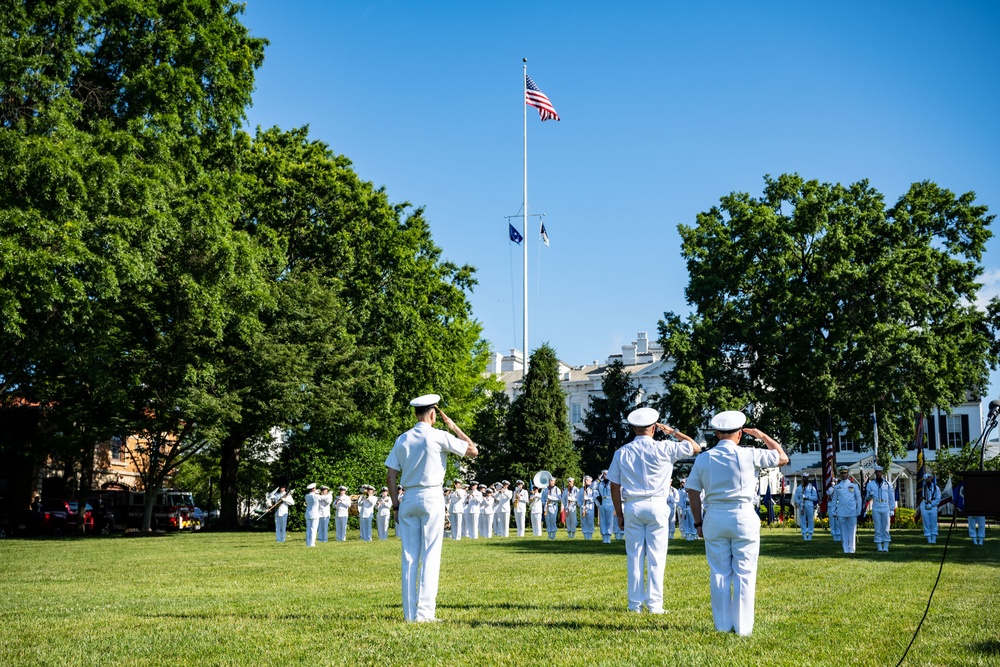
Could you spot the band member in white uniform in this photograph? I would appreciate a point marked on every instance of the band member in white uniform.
(640, 473)
(503, 508)
(537, 507)
(727, 474)
(830, 515)
(486, 517)
(880, 494)
(324, 500)
(846, 500)
(418, 460)
(312, 515)
(366, 510)
(570, 496)
(805, 499)
(473, 508)
(520, 506)
(929, 508)
(606, 507)
(384, 510)
(283, 497)
(686, 518)
(341, 510)
(456, 509)
(551, 497)
(587, 500)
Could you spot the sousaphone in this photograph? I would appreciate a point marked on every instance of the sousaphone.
(541, 479)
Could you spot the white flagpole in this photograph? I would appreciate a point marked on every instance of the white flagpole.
(524, 242)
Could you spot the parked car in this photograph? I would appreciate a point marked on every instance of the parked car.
(198, 518)
(54, 516)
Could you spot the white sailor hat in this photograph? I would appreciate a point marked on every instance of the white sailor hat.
(324, 487)
(928, 475)
(843, 469)
(571, 479)
(457, 481)
(643, 417)
(520, 482)
(311, 486)
(805, 475)
(385, 488)
(342, 488)
(586, 477)
(603, 472)
(728, 421)
(426, 400)
(505, 483)
(878, 468)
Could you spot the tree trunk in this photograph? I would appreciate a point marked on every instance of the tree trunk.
(232, 449)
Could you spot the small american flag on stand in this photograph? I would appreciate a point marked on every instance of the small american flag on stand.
(534, 97)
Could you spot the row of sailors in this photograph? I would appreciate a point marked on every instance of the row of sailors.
(321, 505)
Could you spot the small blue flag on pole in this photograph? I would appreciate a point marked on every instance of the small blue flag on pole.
(515, 235)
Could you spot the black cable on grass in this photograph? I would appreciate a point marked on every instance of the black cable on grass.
(954, 518)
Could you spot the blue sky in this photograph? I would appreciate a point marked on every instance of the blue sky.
(665, 107)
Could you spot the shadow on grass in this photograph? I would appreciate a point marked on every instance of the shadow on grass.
(506, 605)
(987, 647)
(906, 546)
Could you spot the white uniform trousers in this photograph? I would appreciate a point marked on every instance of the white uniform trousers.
(587, 523)
(929, 518)
(571, 522)
(552, 523)
(835, 528)
(312, 526)
(486, 524)
(341, 523)
(504, 524)
(619, 532)
(607, 516)
(732, 545)
(848, 526)
(977, 529)
(472, 520)
(519, 520)
(382, 521)
(456, 525)
(881, 520)
(421, 529)
(365, 524)
(322, 531)
(536, 524)
(280, 527)
(646, 550)
(807, 519)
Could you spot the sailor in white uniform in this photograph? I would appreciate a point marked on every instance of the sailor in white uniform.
(418, 460)
(456, 509)
(486, 517)
(342, 508)
(880, 494)
(688, 531)
(312, 514)
(727, 475)
(587, 500)
(929, 508)
(846, 501)
(551, 497)
(366, 511)
(537, 508)
(977, 529)
(805, 499)
(640, 473)
(473, 508)
(324, 500)
(503, 498)
(673, 501)
(606, 507)
(520, 506)
(383, 512)
(283, 498)
(569, 506)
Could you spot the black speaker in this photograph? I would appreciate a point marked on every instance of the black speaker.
(982, 493)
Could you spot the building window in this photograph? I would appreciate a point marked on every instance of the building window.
(955, 431)
(847, 443)
(576, 413)
(812, 446)
(117, 449)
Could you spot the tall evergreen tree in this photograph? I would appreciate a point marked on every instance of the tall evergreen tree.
(604, 426)
(539, 430)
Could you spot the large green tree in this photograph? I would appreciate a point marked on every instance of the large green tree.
(816, 304)
(538, 424)
(604, 426)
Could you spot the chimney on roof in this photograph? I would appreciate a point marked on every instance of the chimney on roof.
(642, 343)
(628, 354)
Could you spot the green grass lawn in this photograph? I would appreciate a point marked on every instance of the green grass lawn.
(242, 599)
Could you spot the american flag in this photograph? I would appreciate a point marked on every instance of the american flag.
(534, 97)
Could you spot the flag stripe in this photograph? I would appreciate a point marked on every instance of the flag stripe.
(534, 97)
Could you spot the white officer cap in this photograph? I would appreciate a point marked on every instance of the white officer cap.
(505, 483)
(324, 487)
(457, 481)
(586, 477)
(571, 479)
(341, 488)
(385, 488)
(604, 471)
(425, 401)
(929, 475)
(643, 417)
(878, 468)
(520, 482)
(843, 469)
(805, 476)
(729, 421)
(311, 486)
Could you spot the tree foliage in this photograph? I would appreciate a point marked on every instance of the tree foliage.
(816, 304)
(605, 428)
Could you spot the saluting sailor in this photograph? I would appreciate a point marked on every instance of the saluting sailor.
(586, 499)
(418, 460)
(537, 507)
(503, 508)
(569, 505)
(881, 495)
(640, 473)
(384, 510)
(520, 506)
(673, 501)
(929, 508)
(312, 514)
(846, 501)
(727, 475)
(342, 508)
(806, 497)
(283, 498)
(606, 507)
(551, 497)
(473, 508)
(366, 510)
(686, 518)
(456, 509)
(324, 500)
